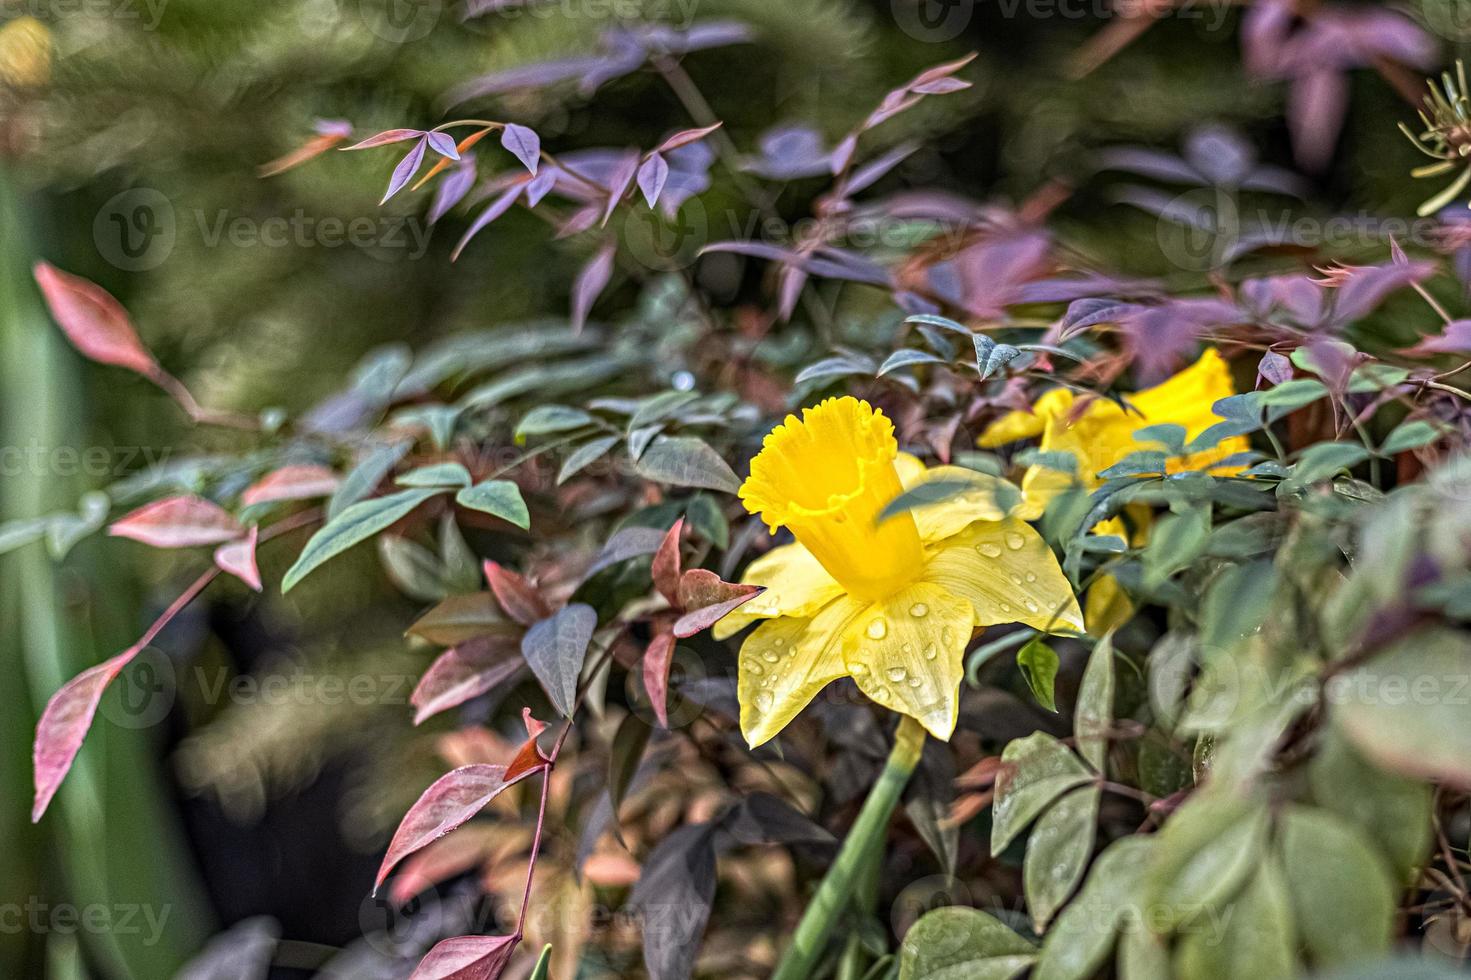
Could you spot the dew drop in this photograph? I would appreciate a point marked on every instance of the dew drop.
(778, 643)
(764, 701)
(989, 549)
(1004, 607)
(947, 637)
(907, 648)
(919, 610)
(877, 630)
(916, 682)
(754, 668)
(1014, 541)
(858, 669)
(1015, 579)
(1031, 576)
(1032, 606)
(770, 656)
(930, 653)
(896, 674)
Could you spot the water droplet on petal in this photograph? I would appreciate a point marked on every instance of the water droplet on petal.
(1004, 607)
(896, 674)
(907, 648)
(858, 669)
(1031, 576)
(1014, 541)
(771, 656)
(753, 667)
(778, 643)
(764, 701)
(1015, 578)
(877, 630)
(989, 549)
(930, 653)
(1032, 606)
(916, 682)
(919, 610)
(947, 636)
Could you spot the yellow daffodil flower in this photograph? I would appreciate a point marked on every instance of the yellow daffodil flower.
(893, 603)
(1100, 433)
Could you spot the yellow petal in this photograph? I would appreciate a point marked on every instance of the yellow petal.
(907, 653)
(1008, 573)
(796, 585)
(951, 515)
(1108, 606)
(827, 477)
(1021, 424)
(785, 662)
(1186, 400)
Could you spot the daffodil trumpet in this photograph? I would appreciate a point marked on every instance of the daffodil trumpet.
(890, 601)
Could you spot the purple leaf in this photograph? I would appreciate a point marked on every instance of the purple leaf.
(651, 177)
(452, 189)
(1274, 368)
(539, 186)
(618, 182)
(443, 144)
(495, 209)
(405, 170)
(686, 136)
(591, 281)
(1454, 339)
(385, 137)
(555, 649)
(464, 672)
(524, 144)
(466, 958)
(1316, 105)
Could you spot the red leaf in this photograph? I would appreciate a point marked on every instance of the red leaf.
(95, 322)
(64, 725)
(529, 757)
(466, 958)
(454, 798)
(657, 659)
(298, 482)
(686, 136)
(518, 598)
(438, 862)
(178, 522)
(464, 672)
(386, 137)
(708, 599)
(666, 564)
(238, 558)
(591, 281)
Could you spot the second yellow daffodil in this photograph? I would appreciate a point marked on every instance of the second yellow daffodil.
(891, 603)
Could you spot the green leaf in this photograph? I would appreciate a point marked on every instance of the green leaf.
(542, 970)
(1093, 716)
(584, 456)
(991, 356)
(1079, 940)
(1413, 435)
(366, 475)
(1343, 897)
(906, 357)
(1406, 708)
(549, 419)
(1205, 851)
(1058, 851)
(686, 461)
(357, 523)
(957, 943)
(463, 617)
(1034, 771)
(555, 649)
(1395, 812)
(501, 498)
(943, 322)
(413, 568)
(1038, 663)
(1255, 941)
(623, 759)
(1170, 435)
(1323, 460)
(447, 475)
(1174, 543)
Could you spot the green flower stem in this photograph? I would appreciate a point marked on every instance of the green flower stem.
(866, 836)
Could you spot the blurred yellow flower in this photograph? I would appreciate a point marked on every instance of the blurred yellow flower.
(893, 603)
(1100, 433)
(25, 53)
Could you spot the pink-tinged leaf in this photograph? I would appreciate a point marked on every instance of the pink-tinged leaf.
(524, 145)
(657, 659)
(941, 86)
(666, 564)
(618, 180)
(1455, 338)
(1274, 368)
(95, 322)
(686, 136)
(591, 281)
(439, 862)
(843, 153)
(494, 210)
(454, 798)
(309, 150)
(924, 78)
(443, 144)
(466, 958)
(539, 186)
(453, 189)
(64, 725)
(517, 597)
(178, 522)
(651, 178)
(708, 599)
(464, 672)
(301, 481)
(238, 559)
(529, 757)
(404, 172)
(386, 137)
